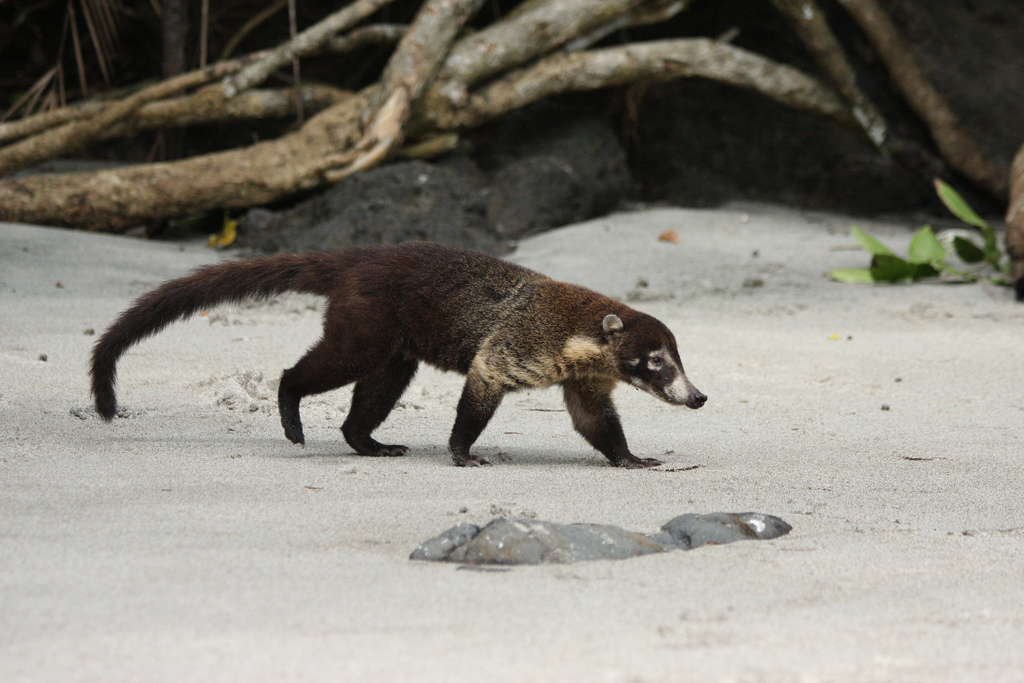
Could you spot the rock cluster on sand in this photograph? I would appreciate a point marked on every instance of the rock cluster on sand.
(529, 541)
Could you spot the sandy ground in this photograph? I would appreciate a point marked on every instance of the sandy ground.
(190, 541)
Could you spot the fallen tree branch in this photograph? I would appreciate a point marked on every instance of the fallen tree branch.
(36, 123)
(411, 69)
(85, 131)
(958, 148)
(813, 30)
(653, 61)
(652, 12)
(534, 29)
(113, 200)
(367, 127)
(336, 138)
(308, 42)
(81, 133)
(1015, 224)
(251, 105)
(366, 35)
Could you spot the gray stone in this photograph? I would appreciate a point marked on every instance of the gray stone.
(530, 541)
(693, 531)
(440, 547)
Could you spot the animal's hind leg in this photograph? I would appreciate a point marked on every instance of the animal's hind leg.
(326, 366)
(372, 400)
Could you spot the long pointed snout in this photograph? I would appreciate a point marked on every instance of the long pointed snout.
(696, 398)
(680, 392)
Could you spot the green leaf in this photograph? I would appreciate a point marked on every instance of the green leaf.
(961, 209)
(923, 270)
(925, 247)
(968, 251)
(853, 276)
(887, 268)
(870, 244)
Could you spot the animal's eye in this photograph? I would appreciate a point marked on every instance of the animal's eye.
(655, 362)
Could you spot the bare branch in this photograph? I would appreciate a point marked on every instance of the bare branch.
(652, 12)
(809, 22)
(77, 134)
(115, 199)
(197, 109)
(957, 147)
(365, 128)
(308, 42)
(411, 69)
(31, 125)
(333, 139)
(366, 35)
(652, 61)
(535, 29)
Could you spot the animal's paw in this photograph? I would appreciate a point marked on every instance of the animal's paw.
(468, 460)
(364, 445)
(385, 451)
(293, 431)
(634, 463)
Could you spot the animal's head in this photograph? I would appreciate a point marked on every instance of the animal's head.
(649, 360)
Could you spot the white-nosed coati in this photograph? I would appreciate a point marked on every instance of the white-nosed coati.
(389, 307)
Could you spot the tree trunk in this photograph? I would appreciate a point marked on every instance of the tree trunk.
(1015, 224)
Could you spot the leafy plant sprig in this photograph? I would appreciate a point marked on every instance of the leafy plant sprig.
(926, 256)
(968, 251)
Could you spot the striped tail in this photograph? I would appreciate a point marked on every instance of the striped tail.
(229, 282)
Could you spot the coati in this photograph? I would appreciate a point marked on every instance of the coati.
(390, 307)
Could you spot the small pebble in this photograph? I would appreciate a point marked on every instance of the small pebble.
(885, 406)
(42, 357)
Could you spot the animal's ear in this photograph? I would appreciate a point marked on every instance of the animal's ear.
(611, 325)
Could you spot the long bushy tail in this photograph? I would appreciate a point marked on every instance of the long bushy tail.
(232, 281)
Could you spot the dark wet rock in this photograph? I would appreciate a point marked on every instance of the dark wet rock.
(530, 541)
(409, 200)
(550, 165)
(971, 51)
(531, 171)
(702, 145)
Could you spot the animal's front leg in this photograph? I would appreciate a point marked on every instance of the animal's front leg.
(476, 407)
(595, 418)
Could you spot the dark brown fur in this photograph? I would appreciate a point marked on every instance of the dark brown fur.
(390, 307)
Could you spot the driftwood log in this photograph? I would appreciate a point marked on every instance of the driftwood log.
(439, 81)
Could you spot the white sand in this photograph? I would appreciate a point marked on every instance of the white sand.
(193, 542)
